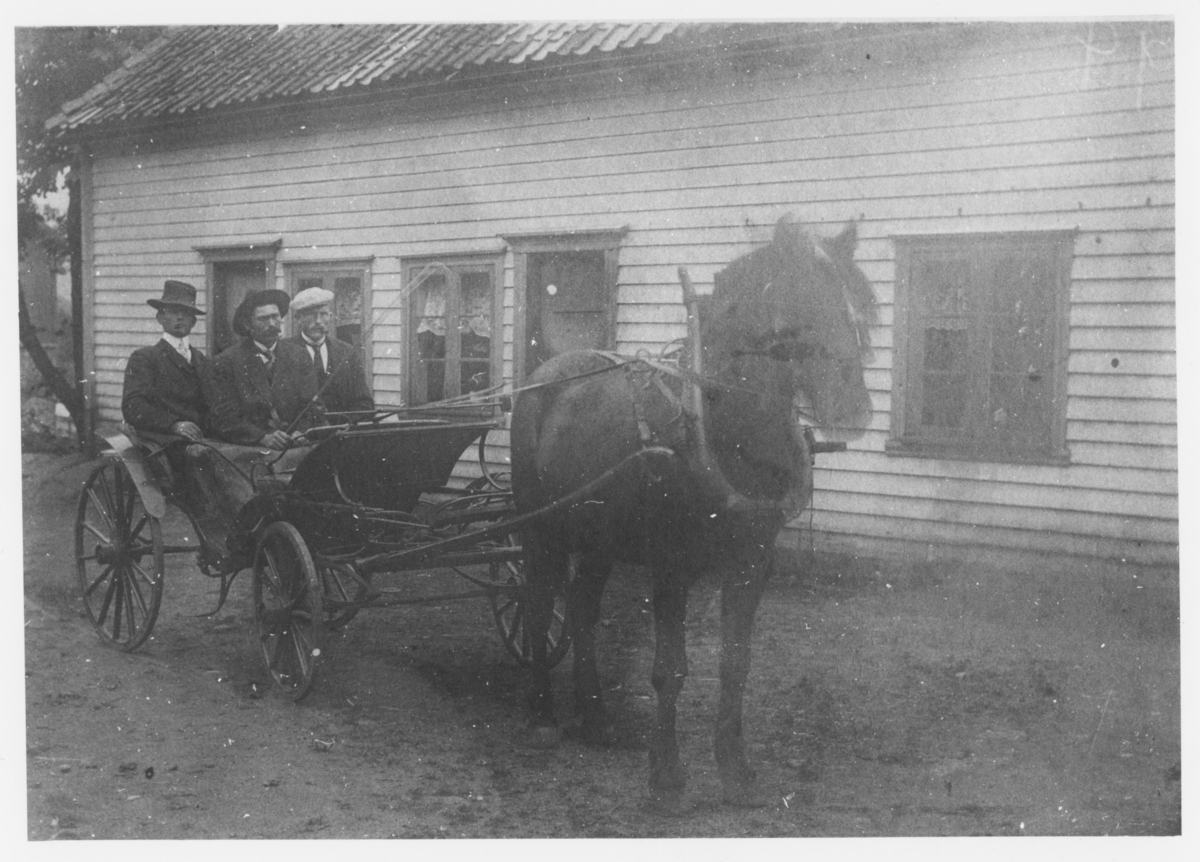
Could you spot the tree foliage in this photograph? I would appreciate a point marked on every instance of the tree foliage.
(54, 66)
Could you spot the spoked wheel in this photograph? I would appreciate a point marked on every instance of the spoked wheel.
(340, 583)
(288, 610)
(118, 557)
(509, 608)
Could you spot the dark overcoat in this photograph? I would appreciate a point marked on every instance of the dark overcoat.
(250, 399)
(162, 388)
(348, 389)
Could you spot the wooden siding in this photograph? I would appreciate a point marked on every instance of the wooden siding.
(1000, 129)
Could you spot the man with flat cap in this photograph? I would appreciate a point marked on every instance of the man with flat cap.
(265, 388)
(165, 383)
(338, 365)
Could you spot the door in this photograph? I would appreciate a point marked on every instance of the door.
(565, 294)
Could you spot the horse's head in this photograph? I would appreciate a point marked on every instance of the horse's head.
(801, 306)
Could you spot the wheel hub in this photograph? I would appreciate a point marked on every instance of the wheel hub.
(108, 554)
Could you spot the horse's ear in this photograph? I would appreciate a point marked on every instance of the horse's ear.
(842, 246)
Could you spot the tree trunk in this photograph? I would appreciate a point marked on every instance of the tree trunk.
(59, 385)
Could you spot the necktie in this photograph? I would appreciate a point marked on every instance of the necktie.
(318, 365)
(268, 361)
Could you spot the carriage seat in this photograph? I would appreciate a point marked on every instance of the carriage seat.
(161, 455)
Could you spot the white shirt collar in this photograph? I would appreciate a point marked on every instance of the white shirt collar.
(180, 344)
(264, 349)
(312, 343)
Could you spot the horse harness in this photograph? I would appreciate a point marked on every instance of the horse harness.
(642, 375)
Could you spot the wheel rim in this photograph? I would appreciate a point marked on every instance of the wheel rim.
(288, 613)
(118, 557)
(509, 611)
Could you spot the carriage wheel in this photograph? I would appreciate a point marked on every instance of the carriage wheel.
(509, 609)
(288, 613)
(340, 583)
(118, 557)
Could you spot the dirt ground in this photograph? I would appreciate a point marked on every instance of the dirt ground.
(884, 700)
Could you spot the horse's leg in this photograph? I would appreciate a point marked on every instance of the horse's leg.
(583, 601)
(740, 594)
(545, 565)
(667, 773)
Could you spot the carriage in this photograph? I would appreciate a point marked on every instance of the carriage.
(371, 498)
(679, 464)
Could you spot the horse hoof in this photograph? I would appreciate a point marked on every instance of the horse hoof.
(744, 796)
(543, 737)
(669, 803)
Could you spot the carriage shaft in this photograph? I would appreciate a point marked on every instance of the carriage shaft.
(436, 552)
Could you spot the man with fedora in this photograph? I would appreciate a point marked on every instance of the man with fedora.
(165, 384)
(264, 388)
(338, 365)
(168, 392)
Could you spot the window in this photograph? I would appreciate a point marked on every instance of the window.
(349, 283)
(980, 367)
(454, 348)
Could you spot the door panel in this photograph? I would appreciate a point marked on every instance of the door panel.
(567, 304)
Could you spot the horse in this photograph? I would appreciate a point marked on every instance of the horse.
(683, 470)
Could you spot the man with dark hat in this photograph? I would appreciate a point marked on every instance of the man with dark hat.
(264, 388)
(165, 383)
(167, 400)
(338, 365)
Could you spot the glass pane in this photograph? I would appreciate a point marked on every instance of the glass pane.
(307, 281)
(476, 308)
(429, 306)
(475, 375)
(434, 374)
(429, 312)
(944, 383)
(945, 349)
(475, 331)
(1022, 336)
(943, 286)
(1018, 412)
(347, 308)
(944, 401)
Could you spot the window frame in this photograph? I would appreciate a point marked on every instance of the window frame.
(972, 444)
(491, 261)
(361, 267)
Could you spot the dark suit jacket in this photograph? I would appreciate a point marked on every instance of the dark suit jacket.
(348, 388)
(249, 401)
(162, 389)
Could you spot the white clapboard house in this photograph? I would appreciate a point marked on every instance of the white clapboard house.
(1013, 186)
